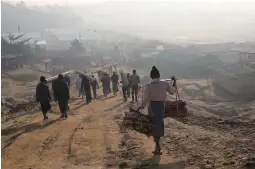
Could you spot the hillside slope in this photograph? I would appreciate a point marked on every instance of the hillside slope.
(91, 138)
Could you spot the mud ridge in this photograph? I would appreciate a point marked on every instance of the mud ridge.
(47, 143)
(11, 140)
(86, 119)
(200, 139)
(26, 130)
(239, 127)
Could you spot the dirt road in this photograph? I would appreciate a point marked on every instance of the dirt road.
(90, 139)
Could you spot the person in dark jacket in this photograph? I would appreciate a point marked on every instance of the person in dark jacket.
(61, 94)
(115, 79)
(85, 86)
(95, 86)
(134, 81)
(43, 97)
(106, 84)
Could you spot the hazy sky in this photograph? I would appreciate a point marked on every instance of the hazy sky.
(52, 2)
(196, 19)
(62, 2)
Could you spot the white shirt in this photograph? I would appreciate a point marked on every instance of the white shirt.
(156, 90)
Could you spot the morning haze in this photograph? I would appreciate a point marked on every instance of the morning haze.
(128, 84)
(200, 21)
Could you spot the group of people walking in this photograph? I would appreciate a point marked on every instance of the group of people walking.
(84, 85)
(61, 86)
(154, 95)
(129, 82)
(60, 89)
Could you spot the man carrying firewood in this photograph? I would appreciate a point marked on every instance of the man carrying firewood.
(155, 94)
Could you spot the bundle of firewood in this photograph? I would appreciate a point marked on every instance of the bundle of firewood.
(137, 121)
(175, 109)
(141, 123)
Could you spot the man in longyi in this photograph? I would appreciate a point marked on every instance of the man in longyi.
(155, 95)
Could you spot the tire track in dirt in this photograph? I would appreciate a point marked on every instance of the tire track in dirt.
(87, 119)
(10, 134)
(54, 140)
(40, 147)
(99, 143)
(87, 148)
(88, 142)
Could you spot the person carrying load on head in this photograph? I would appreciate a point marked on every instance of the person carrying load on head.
(124, 82)
(43, 96)
(61, 94)
(155, 94)
(134, 80)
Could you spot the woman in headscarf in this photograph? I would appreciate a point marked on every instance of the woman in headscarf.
(155, 94)
(115, 79)
(106, 84)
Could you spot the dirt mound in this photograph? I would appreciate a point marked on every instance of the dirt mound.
(11, 105)
(211, 142)
(25, 74)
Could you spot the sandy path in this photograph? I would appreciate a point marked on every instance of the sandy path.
(38, 147)
(90, 139)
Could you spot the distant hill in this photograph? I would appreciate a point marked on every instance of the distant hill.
(194, 67)
(33, 20)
